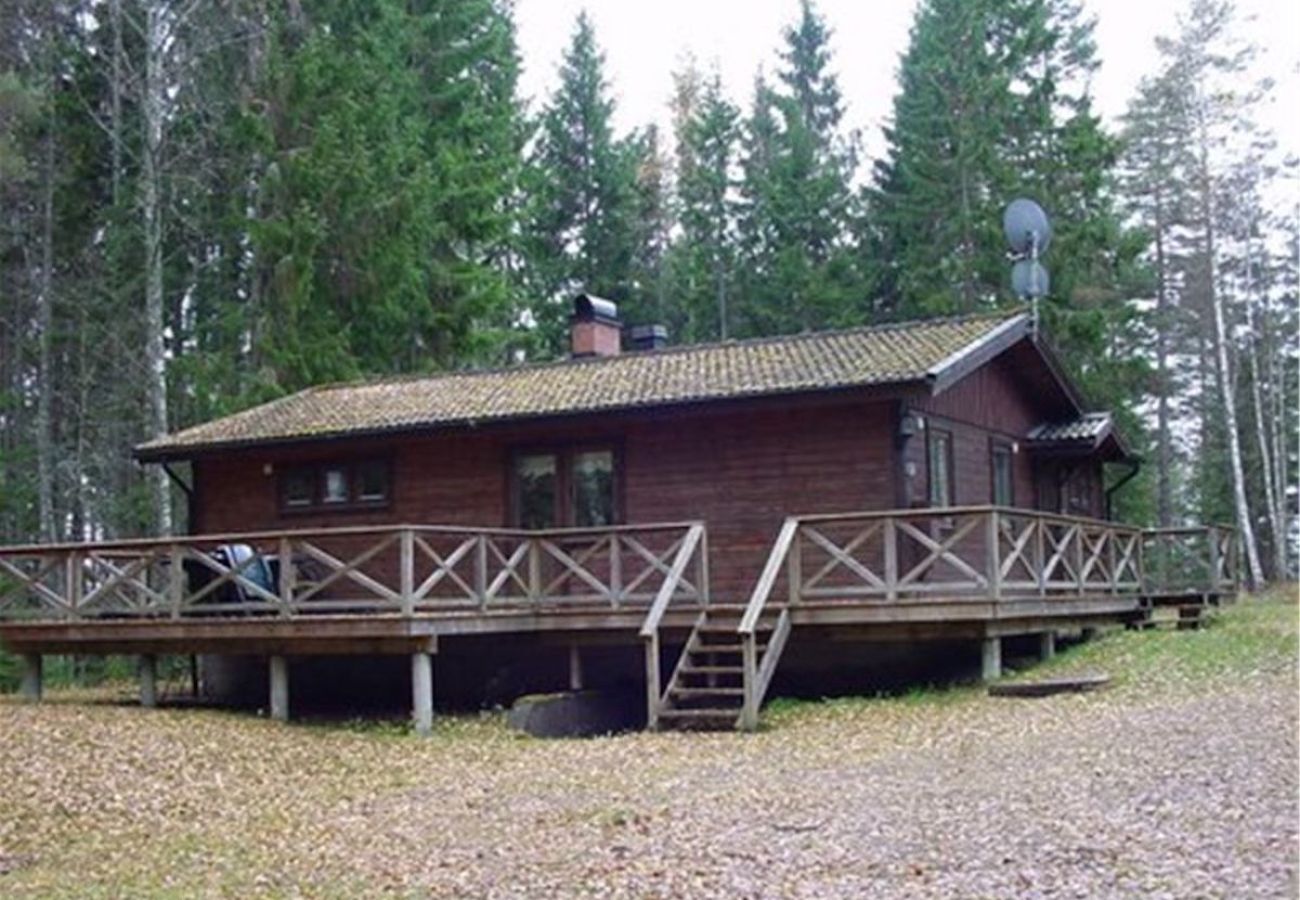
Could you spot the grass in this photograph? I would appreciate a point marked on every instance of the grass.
(1258, 635)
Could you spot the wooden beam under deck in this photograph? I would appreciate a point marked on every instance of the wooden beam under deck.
(398, 635)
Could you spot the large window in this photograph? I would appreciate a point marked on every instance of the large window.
(355, 484)
(939, 460)
(1001, 473)
(570, 487)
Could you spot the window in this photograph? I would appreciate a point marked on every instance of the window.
(564, 488)
(939, 458)
(1000, 461)
(362, 484)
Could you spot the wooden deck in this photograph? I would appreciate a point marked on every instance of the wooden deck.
(973, 572)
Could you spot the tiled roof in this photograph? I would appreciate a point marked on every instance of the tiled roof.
(1089, 428)
(886, 354)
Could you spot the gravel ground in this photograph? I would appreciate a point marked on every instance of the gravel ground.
(1177, 785)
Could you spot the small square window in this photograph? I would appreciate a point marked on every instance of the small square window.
(372, 481)
(334, 485)
(299, 487)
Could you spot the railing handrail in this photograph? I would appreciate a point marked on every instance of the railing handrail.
(771, 570)
(249, 537)
(947, 511)
(668, 589)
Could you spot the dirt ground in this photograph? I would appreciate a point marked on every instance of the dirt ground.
(1178, 781)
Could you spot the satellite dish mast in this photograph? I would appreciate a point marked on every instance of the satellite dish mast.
(1029, 234)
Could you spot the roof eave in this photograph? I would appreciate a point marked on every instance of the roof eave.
(958, 365)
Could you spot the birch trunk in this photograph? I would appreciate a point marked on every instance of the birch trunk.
(45, 329)
(153, 110)
(1245, 528)
(1278, 539)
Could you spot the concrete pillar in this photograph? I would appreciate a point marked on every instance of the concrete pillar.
(992, 663)
(575, 668)
(422, 692)
(31, 677)
(1047, 645)
(279, 667)
(148, 669)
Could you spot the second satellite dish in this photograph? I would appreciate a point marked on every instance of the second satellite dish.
(1029, 279)
(1022, 222)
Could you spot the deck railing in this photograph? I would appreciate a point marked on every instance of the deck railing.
(1193, 560)
(398, 569)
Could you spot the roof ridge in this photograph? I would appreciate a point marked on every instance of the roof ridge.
(405, 378)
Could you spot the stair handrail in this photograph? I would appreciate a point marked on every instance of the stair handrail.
(766, 581)
(650, 626)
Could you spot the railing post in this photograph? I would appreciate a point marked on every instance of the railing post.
(702, 569)
(288, 576)
(406, 549)
(534, 570)
(993, 557)
(749, 680)
(1142, 564)
(652, 680)
(480, 570)
(1111, 560)
(794, 568)
(176, 579)
(1212, 538)
(1077, 530)
(72, 583)
(615, 570)
(891, 559)
(1040, 551)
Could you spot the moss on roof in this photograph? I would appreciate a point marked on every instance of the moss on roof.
(861, 357)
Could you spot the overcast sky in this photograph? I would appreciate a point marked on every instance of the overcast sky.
(645, 41)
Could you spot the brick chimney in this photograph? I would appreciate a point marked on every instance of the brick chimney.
(594, 327)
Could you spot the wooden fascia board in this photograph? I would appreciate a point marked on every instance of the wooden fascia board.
(958, 365)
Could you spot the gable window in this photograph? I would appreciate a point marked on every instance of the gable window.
(357, 484)
(565, 488)
(939, 459)
(1000, 463)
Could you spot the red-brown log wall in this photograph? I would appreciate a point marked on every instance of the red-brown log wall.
(741, 471)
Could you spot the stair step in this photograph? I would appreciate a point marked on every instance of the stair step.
(692, 669)
(719, 648)
(691, 692)
(729, 714)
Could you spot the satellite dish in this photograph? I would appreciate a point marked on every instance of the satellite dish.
(1029, 279)
(1023, 221)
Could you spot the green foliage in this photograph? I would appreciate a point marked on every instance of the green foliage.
(582, 198)
(797, 204)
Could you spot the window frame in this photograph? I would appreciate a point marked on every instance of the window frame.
(565, 454)
(316, 472)
(932, 435)
(999, 446)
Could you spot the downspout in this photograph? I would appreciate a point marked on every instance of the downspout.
(1135, 465)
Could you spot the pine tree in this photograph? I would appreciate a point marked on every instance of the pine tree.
(705, 257)
(581, 187)
(797, 202)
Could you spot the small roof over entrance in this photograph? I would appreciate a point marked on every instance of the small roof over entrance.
(1092, 433)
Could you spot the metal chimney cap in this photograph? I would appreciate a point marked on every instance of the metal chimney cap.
(590, 308)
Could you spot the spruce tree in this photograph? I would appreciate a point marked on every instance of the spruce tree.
(581, 195)
(797, 204)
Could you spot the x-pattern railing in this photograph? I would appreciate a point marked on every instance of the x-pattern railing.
(979, 552)
(403, 569)
(1198, 559)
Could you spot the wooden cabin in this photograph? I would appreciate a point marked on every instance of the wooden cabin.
(697, 506)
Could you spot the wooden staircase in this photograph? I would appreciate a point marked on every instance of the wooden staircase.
(723, 673)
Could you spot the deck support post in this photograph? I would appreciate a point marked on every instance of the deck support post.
(32, 677)
(279, 669)
(992, 659)
(148, 669)
(1047, 645)
(422, 692)
(575, 667)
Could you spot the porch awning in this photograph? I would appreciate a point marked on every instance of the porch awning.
(1092, 434)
